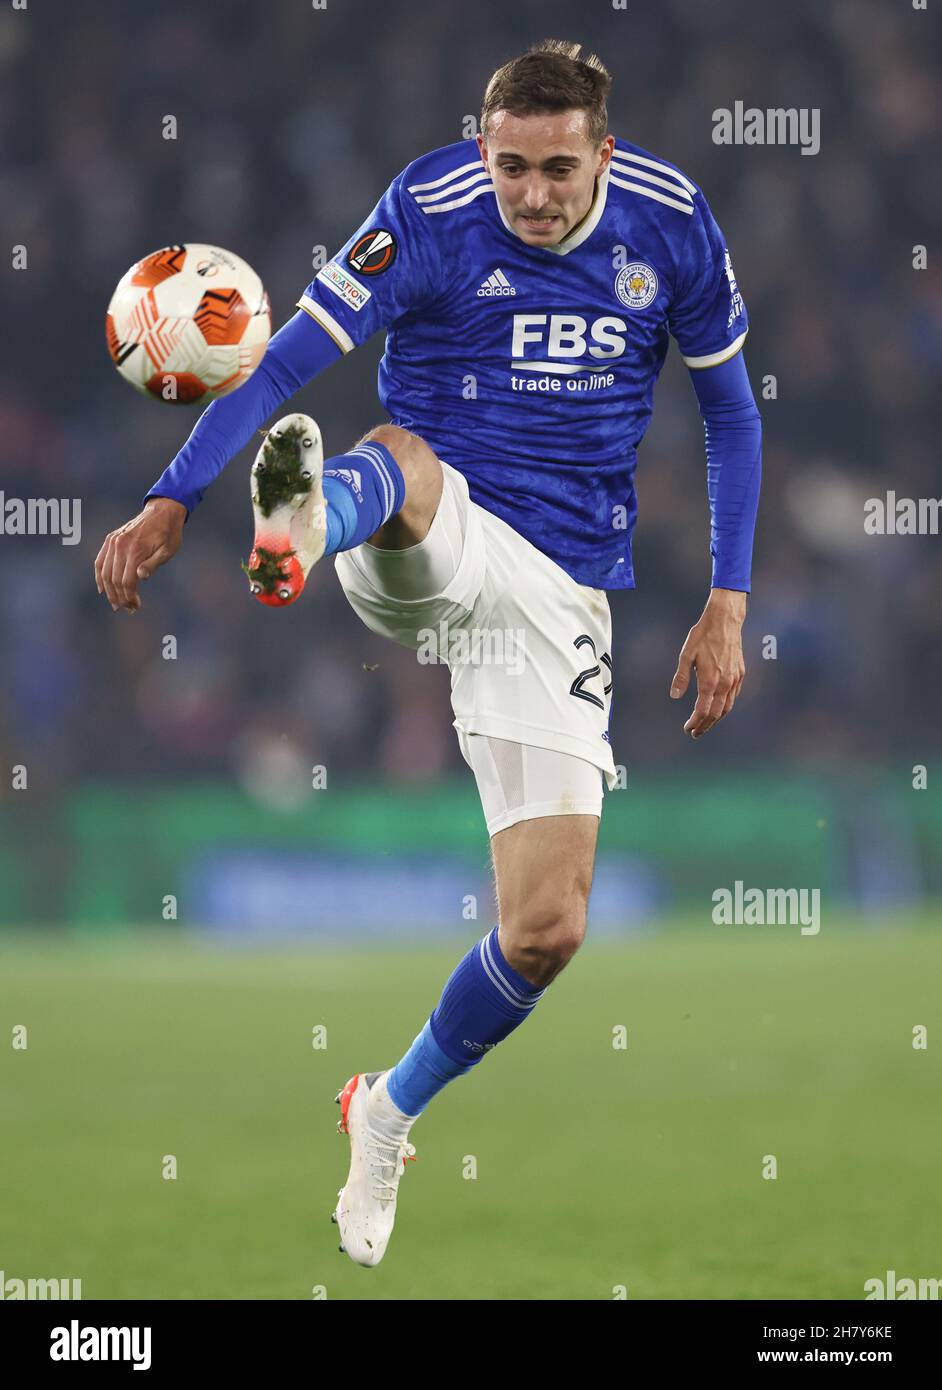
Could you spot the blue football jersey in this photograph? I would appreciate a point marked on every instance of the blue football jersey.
(531, 369)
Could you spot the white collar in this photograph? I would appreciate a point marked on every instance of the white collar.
(586, 227)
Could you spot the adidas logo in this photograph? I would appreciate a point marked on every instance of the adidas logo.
(349, 475)
(496, 284)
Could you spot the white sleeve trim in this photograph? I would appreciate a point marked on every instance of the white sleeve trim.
(327, 321)
(714, 359)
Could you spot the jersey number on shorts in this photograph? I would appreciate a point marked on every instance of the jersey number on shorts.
(578, 686)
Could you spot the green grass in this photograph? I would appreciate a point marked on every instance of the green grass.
(596, 1167)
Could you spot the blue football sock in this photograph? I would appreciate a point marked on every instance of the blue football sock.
(362, 489)
(484, 1000)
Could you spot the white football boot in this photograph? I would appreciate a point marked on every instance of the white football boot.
(290, 511)
(366, 1206)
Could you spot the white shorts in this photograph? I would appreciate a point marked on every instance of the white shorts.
(529, 651)
(518, 781)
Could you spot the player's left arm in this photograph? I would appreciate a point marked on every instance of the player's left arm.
(708, 319)
(733, 435)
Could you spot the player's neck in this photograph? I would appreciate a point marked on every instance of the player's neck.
(576, 225)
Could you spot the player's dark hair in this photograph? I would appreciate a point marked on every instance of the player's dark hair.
(554, 75)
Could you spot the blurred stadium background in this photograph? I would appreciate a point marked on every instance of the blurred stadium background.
(192, 777)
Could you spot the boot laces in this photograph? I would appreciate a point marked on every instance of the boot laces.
(386, 1159)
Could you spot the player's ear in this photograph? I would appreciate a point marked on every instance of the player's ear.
(606, 150)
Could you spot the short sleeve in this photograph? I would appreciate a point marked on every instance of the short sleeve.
(707, 317)
(389, 266)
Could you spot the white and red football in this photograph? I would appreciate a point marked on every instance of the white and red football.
(188, 323)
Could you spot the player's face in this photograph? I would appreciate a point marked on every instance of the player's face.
(543, 168)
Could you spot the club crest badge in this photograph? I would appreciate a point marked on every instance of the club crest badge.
(636, 285)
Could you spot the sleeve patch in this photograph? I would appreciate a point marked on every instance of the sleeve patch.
(373, 252)
(344, 286)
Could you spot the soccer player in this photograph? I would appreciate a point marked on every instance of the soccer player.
(529, 289)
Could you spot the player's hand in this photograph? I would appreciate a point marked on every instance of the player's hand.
(714, 650)
(135, 550)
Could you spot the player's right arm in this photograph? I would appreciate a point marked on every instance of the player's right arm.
(370, 283)
(295, 354)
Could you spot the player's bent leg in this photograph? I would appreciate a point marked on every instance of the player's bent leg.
(405, 594)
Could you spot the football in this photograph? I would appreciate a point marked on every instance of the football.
(188, 324)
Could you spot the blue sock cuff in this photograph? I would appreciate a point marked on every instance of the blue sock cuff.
(493, 955)
(484, 1000)
(362, 489)
(388, 469)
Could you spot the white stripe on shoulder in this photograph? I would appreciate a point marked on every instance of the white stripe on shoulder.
(452, 188)
(460, 202)
(446, 178)
(327, 321)
(653, 193)
(714, 359)
(661, 168)
(637, 173)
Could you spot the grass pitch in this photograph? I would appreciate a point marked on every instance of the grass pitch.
(596, 1167)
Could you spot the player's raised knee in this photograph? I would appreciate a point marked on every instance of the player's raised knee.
(422, 475)
(542, 940)
(417, 462)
